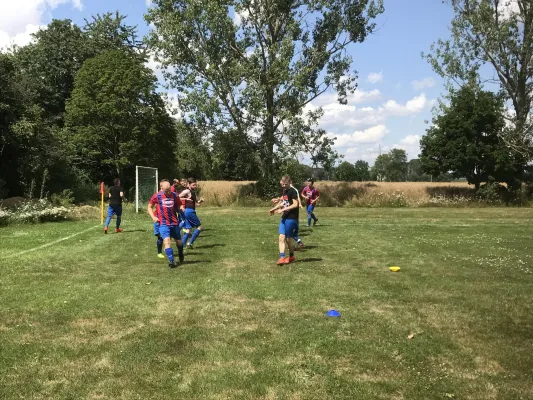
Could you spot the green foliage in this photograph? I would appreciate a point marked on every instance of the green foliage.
(193, 155)
(256, 77)
(362, 171)
(117, 120)
(492, 40)
(390, 167)
(346, 171)
(465, 140)
(234, 157)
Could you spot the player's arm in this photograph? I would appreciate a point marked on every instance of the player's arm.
(316, 198)
(150, 210)
(276, 207)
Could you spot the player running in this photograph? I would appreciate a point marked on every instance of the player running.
(311, 194)
(167, 204)
(299, 243)
(191, 219)
(288, 226)
(159, 239)
(116, 196)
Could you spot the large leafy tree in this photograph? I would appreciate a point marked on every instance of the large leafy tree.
(362, 171)
(346, 172)
(492, 42)
(465, 140)
(256, 76)
(117, 119)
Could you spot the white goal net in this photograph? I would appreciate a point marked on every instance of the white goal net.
(146, 184)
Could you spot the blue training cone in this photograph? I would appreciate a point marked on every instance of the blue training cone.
(333, 313)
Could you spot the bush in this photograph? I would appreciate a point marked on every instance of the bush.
(64, 199)
(34, 212)
(396, 199)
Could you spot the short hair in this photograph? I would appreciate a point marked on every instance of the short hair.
(164, 180)
(175, 180)
(116, 181)
(286, 179)
(311, 180)
(191, 180)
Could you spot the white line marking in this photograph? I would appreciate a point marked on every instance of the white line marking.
(51, 243)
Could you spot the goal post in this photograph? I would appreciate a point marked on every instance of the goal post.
(146, 184)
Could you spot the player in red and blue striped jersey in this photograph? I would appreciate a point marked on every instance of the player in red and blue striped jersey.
(311, 194)
(167, 204)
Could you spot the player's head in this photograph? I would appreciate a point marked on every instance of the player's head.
(285, 181)
(311, 182)
(165, 186)
(192, 183)
(116, 182)
(176, 182)
(183, 182)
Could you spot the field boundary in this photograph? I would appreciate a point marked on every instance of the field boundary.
(51, 243)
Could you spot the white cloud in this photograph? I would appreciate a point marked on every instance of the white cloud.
(148, 3)
(371, 135)
(423, 84)
(375, 77)
(410, 140)
(413, 106)
(238, 17)
(18, 19)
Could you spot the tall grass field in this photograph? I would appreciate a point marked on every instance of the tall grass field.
(85, 315)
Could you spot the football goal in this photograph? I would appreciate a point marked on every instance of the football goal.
(146, 184)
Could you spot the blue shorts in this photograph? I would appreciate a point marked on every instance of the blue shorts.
(114, 210)
(310, 208)
(191, 219)
(167, 231)
(289, 228)
(181, 216)
(156, 228)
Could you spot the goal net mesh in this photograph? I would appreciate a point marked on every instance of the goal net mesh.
(146, 186)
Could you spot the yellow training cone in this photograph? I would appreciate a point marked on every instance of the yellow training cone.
(394, 269)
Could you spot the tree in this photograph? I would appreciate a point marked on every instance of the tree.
(193, 154)
(396, 168)
(362, 171)
(465, 141)
(378, 171)
(234, 158)
(117, 119)
(497, 34)
(256, 76)
(346, 171)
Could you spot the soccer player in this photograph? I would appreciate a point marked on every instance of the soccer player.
(116, 195)
(159, 241)
(299, 243)
(167, 203)
(288, 226)
(191, 219)
(311, 194)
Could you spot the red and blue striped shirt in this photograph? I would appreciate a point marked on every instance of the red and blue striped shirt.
(167, 207)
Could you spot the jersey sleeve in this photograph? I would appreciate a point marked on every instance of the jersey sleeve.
(317, 193)
(292, 195)
(153, 200)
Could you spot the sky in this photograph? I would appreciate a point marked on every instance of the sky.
(396, 87)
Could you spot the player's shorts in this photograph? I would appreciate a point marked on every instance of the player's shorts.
(156, 228)
(310, 208)
(167, 231)
(191, 219)
(181, 215)
(114, 210)
(289, 228)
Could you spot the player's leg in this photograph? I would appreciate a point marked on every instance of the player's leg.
(315, 219)
(291, 226)
(309, 214)
(299, 243)
(159, 240)
(118, 212)
(165, 232)
(282, 240)
(175, 234)
(196, 222)
(110, 212)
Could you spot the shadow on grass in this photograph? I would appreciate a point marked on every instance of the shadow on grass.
(134, 230)
(210, 246)
(307, 260)
(311, 247)
(191, 262)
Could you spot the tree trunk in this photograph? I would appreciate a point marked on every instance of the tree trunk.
(268, 136)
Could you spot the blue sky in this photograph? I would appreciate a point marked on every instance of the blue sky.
(397, 88)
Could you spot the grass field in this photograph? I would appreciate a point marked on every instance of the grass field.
(100, 317)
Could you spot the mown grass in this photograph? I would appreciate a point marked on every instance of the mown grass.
(100, 317)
